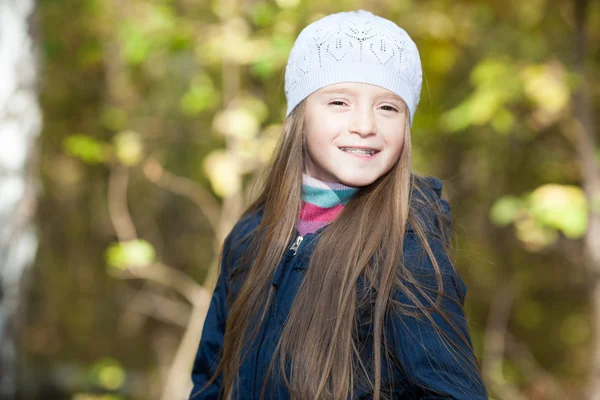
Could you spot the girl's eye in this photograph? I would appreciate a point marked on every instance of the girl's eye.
(341, 103)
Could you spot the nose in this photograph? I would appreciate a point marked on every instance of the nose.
(363, 121)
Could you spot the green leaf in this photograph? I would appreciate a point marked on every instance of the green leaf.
(87, 149)
(503, 121)
(495, 88)
(202, 95)
(494, 72)
(114, 118)
(108, 374)
(484, 104)
(561, 207)
(504, 211)
(137, 253)
(262, 14)
(264, 68)
(136, 46)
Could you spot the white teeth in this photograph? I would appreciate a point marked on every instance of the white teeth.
(363, 152)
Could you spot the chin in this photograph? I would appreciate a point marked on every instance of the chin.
(356, 181)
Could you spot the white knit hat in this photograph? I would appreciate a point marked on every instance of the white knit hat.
(354, 46)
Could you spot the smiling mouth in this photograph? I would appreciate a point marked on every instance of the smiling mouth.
(361, 152)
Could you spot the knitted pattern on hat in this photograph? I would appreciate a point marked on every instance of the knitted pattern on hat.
(321, 203)
(354, 46)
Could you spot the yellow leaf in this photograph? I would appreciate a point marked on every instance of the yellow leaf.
(223, 172)
(546, 85)
(239, 123)
(562, 207)
(129, 147)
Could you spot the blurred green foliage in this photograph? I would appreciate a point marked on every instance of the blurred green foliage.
(198, 86)
(138, 253)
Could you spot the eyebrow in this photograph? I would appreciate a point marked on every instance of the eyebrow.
(351, 92)
(339, 90)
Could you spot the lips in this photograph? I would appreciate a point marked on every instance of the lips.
(360, 150)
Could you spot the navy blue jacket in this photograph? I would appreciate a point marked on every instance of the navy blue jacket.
(419, 349)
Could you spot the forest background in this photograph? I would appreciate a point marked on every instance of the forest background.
(131, 133)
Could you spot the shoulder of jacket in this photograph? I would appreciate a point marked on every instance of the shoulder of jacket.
(247, 223)
(428, 195)
(237, 241)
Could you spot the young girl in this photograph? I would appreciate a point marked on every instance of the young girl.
(336, 282)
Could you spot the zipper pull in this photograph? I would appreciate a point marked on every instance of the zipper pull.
(296, 244)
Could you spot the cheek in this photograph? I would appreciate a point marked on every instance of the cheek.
(319, 135)
(399, 144)
(395, 138)
(311, 138)
(396, 143)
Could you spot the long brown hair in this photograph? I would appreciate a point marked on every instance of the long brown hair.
(321, 347)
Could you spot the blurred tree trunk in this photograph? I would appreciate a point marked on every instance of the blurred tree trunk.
(590, 171)
(20, 125)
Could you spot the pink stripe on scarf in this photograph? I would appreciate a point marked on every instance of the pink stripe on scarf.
(312, 212)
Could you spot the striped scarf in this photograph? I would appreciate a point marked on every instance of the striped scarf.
(321, 203)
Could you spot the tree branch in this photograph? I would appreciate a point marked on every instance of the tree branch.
(493, 352)
(117, 204)
(202, 198)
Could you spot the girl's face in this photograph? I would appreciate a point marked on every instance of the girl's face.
(343, 118)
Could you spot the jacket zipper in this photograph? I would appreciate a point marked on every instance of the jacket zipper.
(296, 244)
(263, 333)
